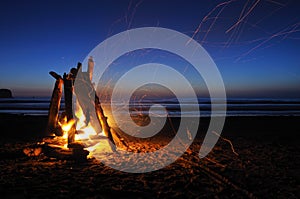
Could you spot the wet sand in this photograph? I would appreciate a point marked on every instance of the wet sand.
(267, 165)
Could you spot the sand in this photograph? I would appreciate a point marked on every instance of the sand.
(267, 165)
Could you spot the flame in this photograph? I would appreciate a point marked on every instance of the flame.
(85, 131)
(86, 135)
(67, 126)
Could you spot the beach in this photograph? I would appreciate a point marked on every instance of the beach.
(264, 164)
(127, 99)
(150, 99)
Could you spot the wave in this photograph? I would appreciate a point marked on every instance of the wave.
(235, 106)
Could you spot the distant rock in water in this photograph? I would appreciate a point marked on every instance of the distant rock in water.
(5, 93)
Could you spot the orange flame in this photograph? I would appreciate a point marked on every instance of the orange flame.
(92, 141)
(67, 126)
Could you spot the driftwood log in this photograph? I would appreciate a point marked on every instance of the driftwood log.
(55, 151)
(88, 101)
(68, 91)
(84, 94)
(52, 126)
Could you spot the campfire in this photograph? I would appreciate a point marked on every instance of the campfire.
(87, 130)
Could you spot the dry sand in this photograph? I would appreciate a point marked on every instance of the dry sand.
(267, 165)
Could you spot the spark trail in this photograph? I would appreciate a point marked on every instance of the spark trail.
(220, 15)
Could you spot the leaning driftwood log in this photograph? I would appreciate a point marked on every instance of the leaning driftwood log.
(52, 126)
(84, 94)
(112, 135)
(88, 101)
(68, 91)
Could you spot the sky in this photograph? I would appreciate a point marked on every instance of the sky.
(254, 43)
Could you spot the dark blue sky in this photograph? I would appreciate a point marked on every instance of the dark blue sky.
(255, 44)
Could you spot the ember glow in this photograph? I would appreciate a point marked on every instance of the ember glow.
(66, 126)
(85, 134)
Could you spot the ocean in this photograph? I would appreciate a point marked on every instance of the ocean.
(235, 106)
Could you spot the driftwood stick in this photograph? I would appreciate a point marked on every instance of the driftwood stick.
(103, 119)
(112, 135)
(90, 69)
(55, 75)
(68, 91)
(52, 126)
